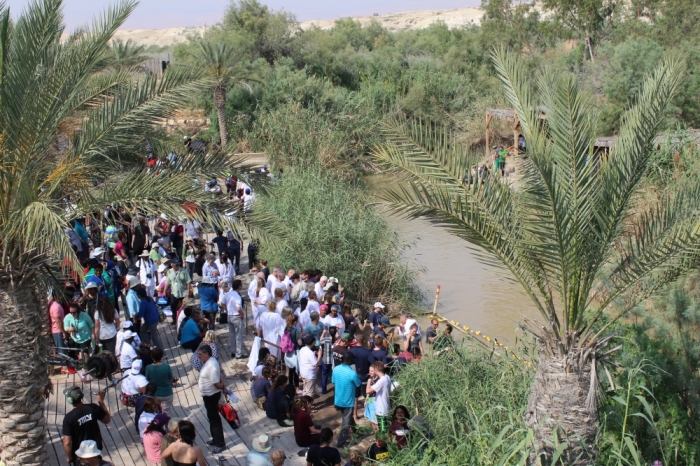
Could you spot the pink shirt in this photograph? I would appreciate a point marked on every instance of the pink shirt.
(56, 312)
(151, 443)
(120, 250)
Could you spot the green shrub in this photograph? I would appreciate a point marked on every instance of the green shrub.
(474, 403)
(321, 222)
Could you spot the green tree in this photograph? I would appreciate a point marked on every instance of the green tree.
(573, 234)
(585, 18)
(221, 63)
(67, 144)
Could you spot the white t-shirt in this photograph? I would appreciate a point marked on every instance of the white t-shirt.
(191, 228)
(383, 388)
(312, 306)
(305, 318)
(120, 341)
(144, 420)
(271, 282)
(319, 291)
(226, 271)
(253, 289)
(107, 331)
(234, 303)
(208, 376)
(127, 355)
(307, 363)
(337, 322)
(133, 384)
(280, 306)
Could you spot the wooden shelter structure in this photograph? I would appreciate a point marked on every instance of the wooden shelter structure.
(602, 144)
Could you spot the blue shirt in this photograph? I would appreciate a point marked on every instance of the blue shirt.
(132, 303)
(362, 356)
(208, 297)
(149, 311)
(81, 232)
(346, 382)
(190, 331)
(255, 458)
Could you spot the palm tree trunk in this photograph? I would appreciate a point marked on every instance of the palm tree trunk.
(559, 401)
(24, 372)
(220, 102)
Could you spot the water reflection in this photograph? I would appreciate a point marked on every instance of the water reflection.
(473, 294)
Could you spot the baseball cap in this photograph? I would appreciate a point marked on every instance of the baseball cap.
(379, 305)
(385, 321)
(136, 366)
(345, 337)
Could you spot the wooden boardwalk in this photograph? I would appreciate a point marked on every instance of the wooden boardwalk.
(121, 440)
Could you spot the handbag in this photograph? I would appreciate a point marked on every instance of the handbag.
(223, 317)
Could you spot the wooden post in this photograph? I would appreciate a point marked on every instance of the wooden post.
(488, 135)
(437, 298)
(516, 132)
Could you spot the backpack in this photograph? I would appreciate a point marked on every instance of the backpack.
(286, 344)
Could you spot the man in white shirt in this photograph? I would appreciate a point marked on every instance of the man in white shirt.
(135, 383)
(225, 267)
(210, 386)
(281, 302)
(335, 320)
(127, 353)
(272, 279)
(236, 320)
(319, 288)
(126, 325)
(404, 328)
(308, 367)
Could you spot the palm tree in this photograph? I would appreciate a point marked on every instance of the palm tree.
(68, 134)
(574, 233)
(220, 62)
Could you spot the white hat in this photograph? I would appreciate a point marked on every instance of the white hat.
(332, 280)
(262, 444)
(136, 366)
(128, 334)
(97, 252)
(379, 305)
(90, 285)
(164, 217)
(134, 281)
(155, 245)
(88, 449)
(162, 268)
(127, 324)
(208, 280)
(145, 253)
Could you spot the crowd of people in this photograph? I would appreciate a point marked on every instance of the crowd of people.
(309, 341)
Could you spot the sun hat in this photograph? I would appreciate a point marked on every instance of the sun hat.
(145, 253)
(128, 334)
(88, 449)
(161, 419)
(379, 305)
(134, 281)
(97, 252)
(262, 444)
(332, 280)
(384, 321)
(136, 366)
(90, 285)
(162, 268)
(127, 324)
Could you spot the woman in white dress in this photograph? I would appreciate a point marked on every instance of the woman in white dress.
(262, 297)
(272, 326)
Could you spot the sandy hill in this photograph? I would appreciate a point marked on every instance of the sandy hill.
(412, 19)
(393, 22)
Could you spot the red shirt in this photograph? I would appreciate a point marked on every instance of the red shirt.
(302, 425)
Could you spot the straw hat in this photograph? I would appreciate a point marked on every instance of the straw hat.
(262, 444)
(145, 253)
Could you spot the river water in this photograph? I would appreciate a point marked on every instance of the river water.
(479, 296)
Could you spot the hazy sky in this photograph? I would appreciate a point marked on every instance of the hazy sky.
(157, 14)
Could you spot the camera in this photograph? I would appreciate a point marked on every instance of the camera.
(149, 276)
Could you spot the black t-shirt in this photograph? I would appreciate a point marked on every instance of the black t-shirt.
(379, 355)
(81, 424)
(377, 453)
(140, 232)
(362, 356)
(430, 333)
(221, 244)
(323, 456)
(339, 351)
(198, 265)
